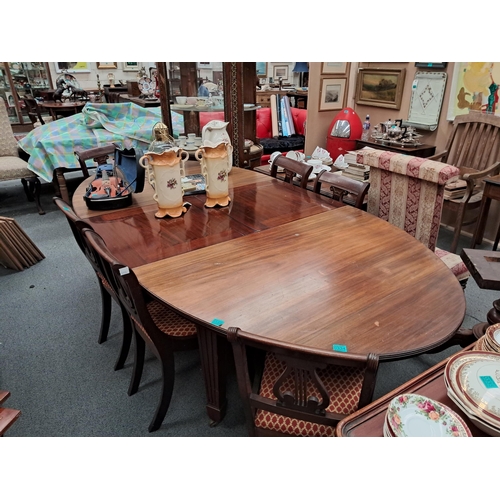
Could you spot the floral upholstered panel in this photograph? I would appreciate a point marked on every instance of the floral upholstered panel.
(407, 192)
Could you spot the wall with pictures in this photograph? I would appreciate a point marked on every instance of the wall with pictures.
(88, 79)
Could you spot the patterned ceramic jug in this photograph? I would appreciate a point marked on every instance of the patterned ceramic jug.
(215, 133)
(165, 171)
(215, 166)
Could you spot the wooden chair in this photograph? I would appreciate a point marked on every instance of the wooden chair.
(34, 113)
(473, 147)
(7, 415)
(292, 168)
(302, 392)
(344, 189)
(154, 324)
(107, 287)
(12, 166)
(99, 155)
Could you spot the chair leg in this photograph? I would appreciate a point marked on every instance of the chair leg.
(32, 188)
(140, 348)
(167, 379)
(106, 314)
(458, 228)
(127, 339)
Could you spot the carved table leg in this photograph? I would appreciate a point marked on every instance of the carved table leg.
(213, 352)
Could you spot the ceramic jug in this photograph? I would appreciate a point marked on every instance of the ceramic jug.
(215, 133)
(215, 166)
(165, 171)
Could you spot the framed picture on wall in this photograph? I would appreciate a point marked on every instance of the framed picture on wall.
(280, 72)
(431, 65)
(130, 66)
(72, 67)
(332, 95)
(380, 87)
(107, 65)
(335, 68)
(204, 65)
(261, 69)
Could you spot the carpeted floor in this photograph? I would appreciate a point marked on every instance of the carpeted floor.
(63, 381)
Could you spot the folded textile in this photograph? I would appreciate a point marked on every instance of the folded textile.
(52, 145)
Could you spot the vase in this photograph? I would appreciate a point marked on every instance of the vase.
(165, 171)
(215, 133)
(215, 166)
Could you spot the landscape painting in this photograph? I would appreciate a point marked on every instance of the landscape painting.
(379, 87)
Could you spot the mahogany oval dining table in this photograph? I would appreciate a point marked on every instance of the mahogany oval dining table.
(66, 108)
(285, 263)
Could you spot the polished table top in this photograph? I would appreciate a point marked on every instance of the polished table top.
(286, 263)
(63, 105)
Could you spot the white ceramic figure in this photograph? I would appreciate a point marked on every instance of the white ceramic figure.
(215, 166)
(165, 171)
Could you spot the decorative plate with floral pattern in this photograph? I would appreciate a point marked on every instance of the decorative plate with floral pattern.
(413, 415)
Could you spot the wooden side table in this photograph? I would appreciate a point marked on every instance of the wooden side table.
(491, 192)
(422, 151)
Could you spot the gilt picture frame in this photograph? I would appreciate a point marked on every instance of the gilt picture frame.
(335, 68)
(380, 87)
(107, 65)
(332, 94)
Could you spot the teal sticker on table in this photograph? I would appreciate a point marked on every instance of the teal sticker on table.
(217, 322)
(488, 382)
(339, 347)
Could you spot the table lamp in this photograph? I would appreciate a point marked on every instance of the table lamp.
(301, 67)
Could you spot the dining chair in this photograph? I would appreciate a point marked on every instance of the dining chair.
(291, 168)
(106, 286)
(408, 192)
(12, 165)
(154, 324)
(99, 155)
(474, 147)
(301, 391)
(344, 189)
(34, 113)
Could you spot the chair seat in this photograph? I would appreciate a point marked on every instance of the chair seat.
(12, 167)
(454, 263)
(342, 383)
(170, 322)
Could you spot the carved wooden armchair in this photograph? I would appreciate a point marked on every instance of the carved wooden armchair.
(154, 324)
(473, 147)
(302, 392)
(292, 168)
(343, 189)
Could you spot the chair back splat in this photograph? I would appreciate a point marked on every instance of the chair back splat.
(343, 189)
(302, 392)
(292, 168)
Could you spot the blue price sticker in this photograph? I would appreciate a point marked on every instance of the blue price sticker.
(488, 382)
(339, 347)
(217, 322)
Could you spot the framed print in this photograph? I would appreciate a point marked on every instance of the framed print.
(332, 95)
(335, 68)
(204, 65)
(431, 65)
(261, 69)
(380, 87)
(130, 66)
(107, 65)
(280, 72)
(72, 67)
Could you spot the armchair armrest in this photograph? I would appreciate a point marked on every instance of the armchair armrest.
(474, 175)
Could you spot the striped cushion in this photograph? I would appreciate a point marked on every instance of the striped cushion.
(170, 322)
(342, 383)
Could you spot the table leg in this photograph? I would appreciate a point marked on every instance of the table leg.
(213, 353)
(477, 239)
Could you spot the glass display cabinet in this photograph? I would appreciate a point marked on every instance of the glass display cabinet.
(20, 79)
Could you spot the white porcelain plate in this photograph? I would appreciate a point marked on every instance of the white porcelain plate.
(413, 415)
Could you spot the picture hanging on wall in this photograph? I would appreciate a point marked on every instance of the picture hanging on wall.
(280, 72)
(335, 68)
(72, 67)
(332, 96)
(380, 87)
(107, 65)
(130, 66)
(261, 69)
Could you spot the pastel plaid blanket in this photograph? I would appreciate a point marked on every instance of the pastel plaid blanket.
(52, 145)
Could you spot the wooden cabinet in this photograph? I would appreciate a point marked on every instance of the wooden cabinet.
(20, 79)
(263, 97)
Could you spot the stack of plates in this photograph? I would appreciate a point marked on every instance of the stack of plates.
(473, 382)
(490, 341)
(413, 415)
